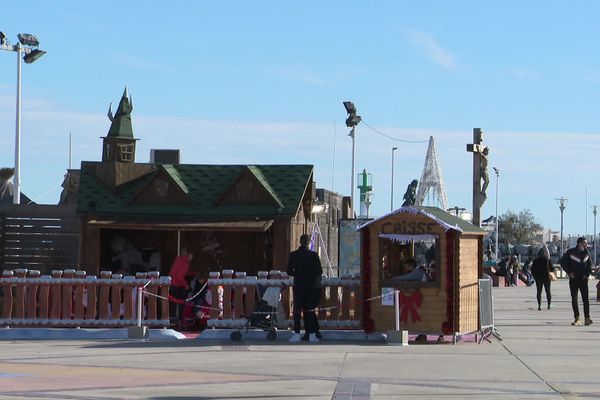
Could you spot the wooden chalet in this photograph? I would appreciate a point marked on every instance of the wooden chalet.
(241, 217)
(442, 297)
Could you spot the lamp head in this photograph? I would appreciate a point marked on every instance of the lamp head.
(28, 39)
(33, 56)
(353, 120)
(350, 109)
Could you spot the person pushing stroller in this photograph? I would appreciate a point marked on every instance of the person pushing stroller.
(304, 265)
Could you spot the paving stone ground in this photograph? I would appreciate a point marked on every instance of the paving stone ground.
(540, 357)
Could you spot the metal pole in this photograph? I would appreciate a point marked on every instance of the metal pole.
(392, 189)
(594, 211)
(353, 136)
(139, 306)
(397, 304)
(586, 214)
(69, 150)
(561, 232)
(497, 221)
(562, 204)
(17, 180)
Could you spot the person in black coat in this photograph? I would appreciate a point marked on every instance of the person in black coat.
(576, 262)
(304, 265)
(540, 269)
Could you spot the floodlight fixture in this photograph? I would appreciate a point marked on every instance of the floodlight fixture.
(33, 56)
(350, 109)
(28, 39)
(27, 51)
(353, 120)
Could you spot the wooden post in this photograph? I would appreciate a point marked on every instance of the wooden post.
(238, 304)
(67, 295)
(334, 300)
(324, 301)
(285, 296)
(214, 293)
(79, 300)
(227, 288)
(250, 294)
(55, 295)
(141, 275)
(129, 291)
(44, 297)
(32, 298)
(152, 300)
(20, 295)
(345, 304)
(8, 295)
(164, 304)
(103, 296)
(115, 297)
(92, 298)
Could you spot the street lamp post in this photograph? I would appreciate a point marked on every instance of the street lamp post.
(562, 204)
(392, 188)
(26, 48)
(594, 211)
(351, 122)
(497, 221)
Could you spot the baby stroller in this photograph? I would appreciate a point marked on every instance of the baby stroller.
(263, 316)
(196, 308)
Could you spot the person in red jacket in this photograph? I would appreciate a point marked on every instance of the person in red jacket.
(179, 284)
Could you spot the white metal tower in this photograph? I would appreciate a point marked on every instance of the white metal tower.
(431, 181)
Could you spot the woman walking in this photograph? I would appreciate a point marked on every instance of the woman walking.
(541, 269)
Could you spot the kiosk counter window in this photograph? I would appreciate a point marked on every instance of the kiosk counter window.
(409, 261)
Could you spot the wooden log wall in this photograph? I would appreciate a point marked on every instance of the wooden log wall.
(69, 298)
(39, 237)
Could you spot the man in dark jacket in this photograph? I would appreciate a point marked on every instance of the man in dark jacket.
(304, 265)
(576, 262)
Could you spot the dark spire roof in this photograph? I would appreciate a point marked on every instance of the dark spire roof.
(121, 121)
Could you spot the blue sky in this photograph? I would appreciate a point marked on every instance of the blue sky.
(263, 82)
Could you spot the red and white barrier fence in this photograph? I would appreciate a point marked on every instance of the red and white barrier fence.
(233, 297)
(69, 298)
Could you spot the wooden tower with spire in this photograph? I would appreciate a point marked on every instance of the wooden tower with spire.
(119, 143)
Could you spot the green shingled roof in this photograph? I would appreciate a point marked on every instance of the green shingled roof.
(451, 219)
(204, 184)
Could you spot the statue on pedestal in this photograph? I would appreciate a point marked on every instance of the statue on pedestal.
(483, 162)
(410, 197)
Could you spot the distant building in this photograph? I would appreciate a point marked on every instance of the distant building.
(546, 235)
(328, 210)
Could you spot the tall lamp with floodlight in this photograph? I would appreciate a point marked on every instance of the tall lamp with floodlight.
(27, 48)
(595, 240)
(562, 204)
(497, 220)
(351, 122)
(392, 186)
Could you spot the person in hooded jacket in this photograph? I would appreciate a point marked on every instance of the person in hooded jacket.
(304, 265)
(576, 262)
(540, 269)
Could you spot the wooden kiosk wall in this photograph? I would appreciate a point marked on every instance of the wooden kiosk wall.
(449, 305)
